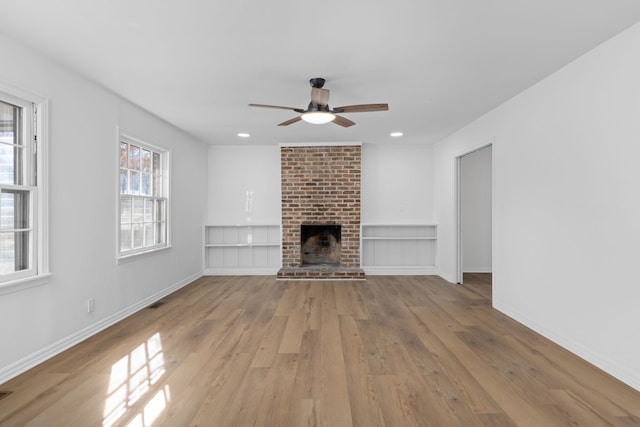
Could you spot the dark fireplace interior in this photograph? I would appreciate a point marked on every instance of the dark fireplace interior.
(320, 244)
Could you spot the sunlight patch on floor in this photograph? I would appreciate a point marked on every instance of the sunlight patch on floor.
(131, 379)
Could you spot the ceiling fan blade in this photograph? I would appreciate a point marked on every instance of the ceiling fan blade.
(362, 108)
(297, 110)
(290, 121)
(319, 96)
(343, 121)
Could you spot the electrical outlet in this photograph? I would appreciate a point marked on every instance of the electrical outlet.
(91, 305)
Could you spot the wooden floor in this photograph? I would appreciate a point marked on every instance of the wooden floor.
(389, 351)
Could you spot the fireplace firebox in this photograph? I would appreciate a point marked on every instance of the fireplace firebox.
(320, 244)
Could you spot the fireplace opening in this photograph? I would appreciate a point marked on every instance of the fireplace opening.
(320, 244)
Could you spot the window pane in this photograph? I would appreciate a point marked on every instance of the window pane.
(137, 236)
(146, 161)
(125, 210)
(134, 183)
(14, 252)
(11, 149)
(138, 210)
(125, 237)
(123, 154)
(14, 209)
(148, 235)
(134, 157)
(124, 181)
(11, 161)
(146, 185)
(148, 210)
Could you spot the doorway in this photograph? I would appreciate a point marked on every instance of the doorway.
(474, 213)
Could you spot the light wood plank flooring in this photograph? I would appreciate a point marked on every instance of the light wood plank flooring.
(389, 351)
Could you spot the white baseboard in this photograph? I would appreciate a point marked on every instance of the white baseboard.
(477, 270)
(46, 353)
(625, 375)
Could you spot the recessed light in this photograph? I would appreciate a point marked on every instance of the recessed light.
(243, 135)
(396, 134)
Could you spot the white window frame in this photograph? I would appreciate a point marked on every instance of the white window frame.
(35, 136)
(165, 155)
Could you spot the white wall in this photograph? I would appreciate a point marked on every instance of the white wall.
(244, 185)
(475, 210)
(83, 150)
(397, 184)
(566, 210)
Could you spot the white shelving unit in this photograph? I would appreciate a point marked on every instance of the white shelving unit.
(242, 249)
(398, 248)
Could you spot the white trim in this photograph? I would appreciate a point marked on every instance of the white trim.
(37, 107)
(130, 257)
(24, 283)
(476, 269)
(165, 158)
(42, 159)
(458, 220)
(46, 353)
(22, 93)
(320, 144)
(459, 268)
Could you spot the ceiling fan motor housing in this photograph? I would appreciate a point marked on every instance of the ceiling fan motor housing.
(313, 107)
(317, 82)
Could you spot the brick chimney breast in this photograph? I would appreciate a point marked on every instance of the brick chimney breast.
(320, 185)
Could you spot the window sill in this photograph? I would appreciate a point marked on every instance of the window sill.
(22, 284)
(126, 258)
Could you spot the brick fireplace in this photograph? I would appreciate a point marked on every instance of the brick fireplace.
(321, 187)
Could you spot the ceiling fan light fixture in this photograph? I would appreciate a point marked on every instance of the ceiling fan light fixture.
(318, 117)
(318, 111)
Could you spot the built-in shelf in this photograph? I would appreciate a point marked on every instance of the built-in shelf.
(242, 249)
(239, 245)
(398, 248)
(398, 238)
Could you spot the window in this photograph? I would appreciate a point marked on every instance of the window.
(143, 183)
(23, 240)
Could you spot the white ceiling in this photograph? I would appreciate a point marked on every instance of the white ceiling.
(198, 63)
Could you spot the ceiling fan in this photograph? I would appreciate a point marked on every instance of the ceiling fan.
(318, 111)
